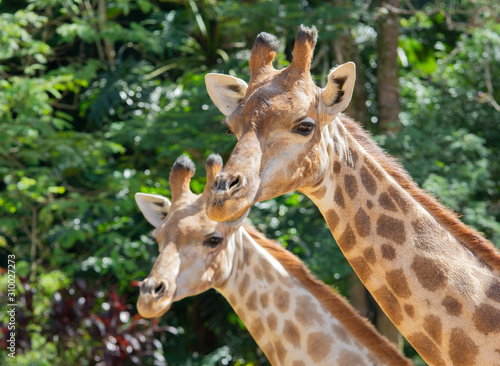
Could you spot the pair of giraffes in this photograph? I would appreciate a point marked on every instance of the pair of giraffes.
(437, 279)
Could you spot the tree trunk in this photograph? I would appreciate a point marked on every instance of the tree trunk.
(387, 68)
(108, 46)
(345, 49)
(386, 328)
(357, 295)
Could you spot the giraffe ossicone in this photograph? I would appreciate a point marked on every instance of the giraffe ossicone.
(437, 279)
(295, 319)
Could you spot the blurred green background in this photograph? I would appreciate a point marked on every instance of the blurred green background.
(98, 98)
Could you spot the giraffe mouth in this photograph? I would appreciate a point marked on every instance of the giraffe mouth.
(156, 297)
(150, 308)
(235, 188)
(223, 206)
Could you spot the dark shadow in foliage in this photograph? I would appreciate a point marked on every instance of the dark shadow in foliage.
(103, 321)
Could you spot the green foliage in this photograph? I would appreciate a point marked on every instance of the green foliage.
(449, 142)
(95, 108)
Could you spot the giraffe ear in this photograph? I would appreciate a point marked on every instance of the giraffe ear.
(226, 91)
(154, 207)
(338, 92)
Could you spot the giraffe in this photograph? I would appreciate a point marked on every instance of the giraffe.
(436, 278)
(295, 319)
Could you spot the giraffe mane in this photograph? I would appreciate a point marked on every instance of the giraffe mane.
(467, 236)
(360, 327)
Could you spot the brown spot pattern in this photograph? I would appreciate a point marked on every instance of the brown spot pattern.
(376, 172)
(426, 348)
(339, 197)
(349, 358)
(335, 144)
(291, 333)
(369, 204)
(494, 291)
(257, 328)
(430, 275)
(369, 254)
(266, 269)
(341, 333)
(241, 314)
(452, 306)
(463, 283)
(246, 258)
(400, 201)
(336, 167)
(320, 193)
(252, 301)
(258, 273)
(397, 280)
(486, 319)
(332, 219)
(386, 202)
(264, 300)
(426, 233)
(368, 181)
(245, 282)
(318, 345)
(361, 268)
(280, 351)
(362, 223)
(232, 300)
(305, 311)
(463, 351)
(410, 310)
(241, 263)
(389, 303)
(419, 225)
(351, 185)
(388, 252)
(272, 321)
(269, 352)
(269, 277)
(391, 228)
(434, 328)
(353, 158)
(281, 299)
(347, 240)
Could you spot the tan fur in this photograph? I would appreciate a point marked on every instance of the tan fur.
(337, 305)
(290, 314)
(465, 234)
(435, 278)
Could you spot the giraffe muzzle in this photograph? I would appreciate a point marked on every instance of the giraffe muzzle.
(155, 298)
(228, 184)
(154, 287)
(230, 198)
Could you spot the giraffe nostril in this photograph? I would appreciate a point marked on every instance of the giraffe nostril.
(224, 184)
(154, 287)
(234, 183)
(159, 289)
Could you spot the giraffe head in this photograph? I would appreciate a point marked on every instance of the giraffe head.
(194, 251)
(278, 119)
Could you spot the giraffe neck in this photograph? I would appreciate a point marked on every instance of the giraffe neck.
(290, 324)
(443, 297)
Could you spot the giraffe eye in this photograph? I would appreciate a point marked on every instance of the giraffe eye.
(213, 241)
(229, 132)
(305, 127)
